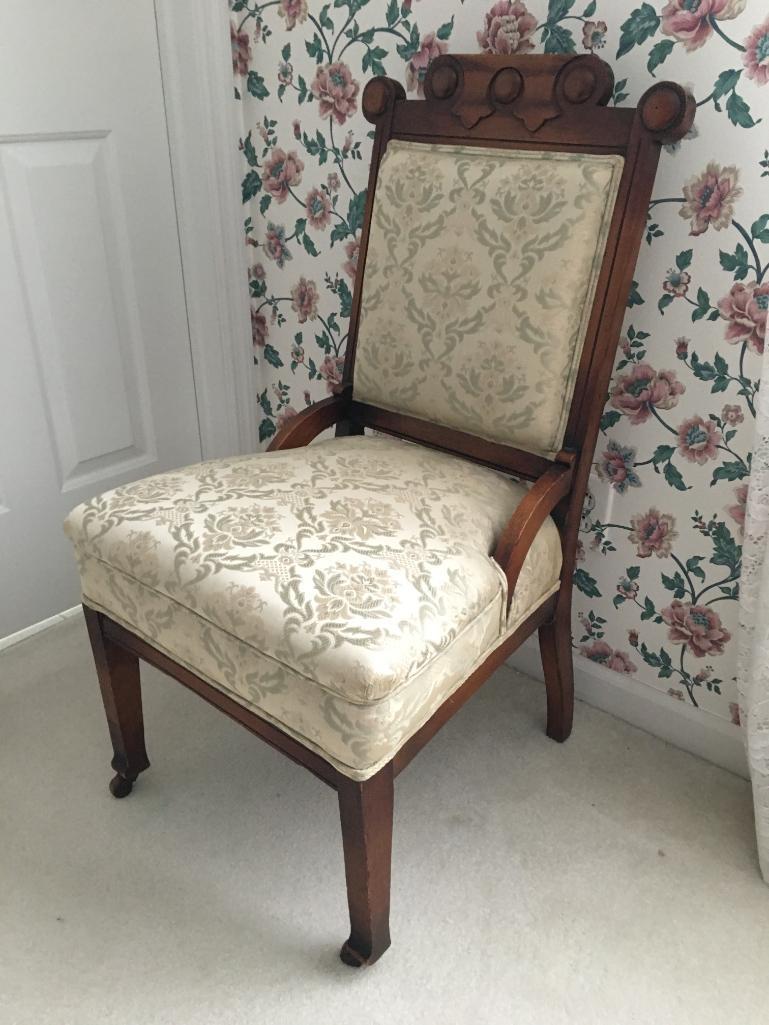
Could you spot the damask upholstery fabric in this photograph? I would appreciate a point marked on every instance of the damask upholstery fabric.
(341, 591)
(481, 269)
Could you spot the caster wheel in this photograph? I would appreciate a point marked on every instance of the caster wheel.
(119, 786)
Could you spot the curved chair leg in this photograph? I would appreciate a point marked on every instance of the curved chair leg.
(555, 647)
(118, 672)
(366, 812)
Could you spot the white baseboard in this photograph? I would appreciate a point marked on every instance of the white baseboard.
(701, 733)
(36, 628)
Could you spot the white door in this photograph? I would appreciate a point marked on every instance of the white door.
(96, 383)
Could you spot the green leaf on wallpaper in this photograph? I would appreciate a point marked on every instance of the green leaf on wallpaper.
(684, 259)
(759, 229)
(407, 50)
(264, 402)
(674, 478)
(665, 301)
(252, 183)
(314, 48)
(266, 429)
(722, 367)
(676, 584)
(393, 12)
(339, 232)
(739, 112)
(372, 60)
(649, 611)
(658, 54)
(733, 470)
(355, 211)
(309, 245)
(640, 26)
(557, 9)
(663, 453)
(558, 39)
(255, 85)
(609, 419)
(446, 29)
(693, 565)
(619, 92)
(724, 84)
(345, 297)
(272, 355)
(617, 600)
(635, 298)
(286, 52)
(736, 262)
(249, 152)
(726, 552)
(589, 11)
(324, 18)
(585, 583)
(264, 203)
(703, 304)
(633, 572)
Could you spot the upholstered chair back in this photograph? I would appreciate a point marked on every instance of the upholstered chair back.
(479, 280)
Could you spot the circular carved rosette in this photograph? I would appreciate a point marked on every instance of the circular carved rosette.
(667, 111)
(506, 87)
(443, 79)
(380, 94)
(584, 80)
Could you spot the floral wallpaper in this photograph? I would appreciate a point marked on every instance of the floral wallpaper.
(657, 583)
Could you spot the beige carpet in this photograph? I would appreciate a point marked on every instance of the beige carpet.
(612, 880)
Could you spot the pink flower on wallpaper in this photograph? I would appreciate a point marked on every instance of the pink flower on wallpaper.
(682, 347)
(676, 282)
(331, 371)
(688, 20)
(632, 638)
(580, 554)
(285, 415)
(709, 198)
(698, 440)
(275, 246)
(756, 56)
(635, 393)
(352, 251)
(732, 415)
(594, 35)
(293, 11)
(507, 28)
(697, 626)
(304, 300)
(734, 713)
(336, 91)
(281, 171)
(653, 533)
(605, 655)
(259, 329)
(737, 511)
(318, 207)
(745, 309)
(616, 466)
(416, 69)
(241, 50)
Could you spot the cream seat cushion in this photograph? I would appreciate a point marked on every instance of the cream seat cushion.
(341, 591)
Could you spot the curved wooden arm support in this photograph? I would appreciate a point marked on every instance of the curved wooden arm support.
(308, 424)
(517, 537)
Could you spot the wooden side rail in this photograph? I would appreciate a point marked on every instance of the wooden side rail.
(517, 537)
(308, 424)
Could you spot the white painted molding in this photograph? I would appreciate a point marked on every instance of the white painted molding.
(21, 635)
(651, 710)
(196, 64)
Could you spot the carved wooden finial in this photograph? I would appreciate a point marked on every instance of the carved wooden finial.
(667, 111)
(379, 95)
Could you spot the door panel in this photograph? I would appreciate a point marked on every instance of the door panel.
(96, 384)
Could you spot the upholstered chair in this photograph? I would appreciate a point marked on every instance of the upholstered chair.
(343, 599)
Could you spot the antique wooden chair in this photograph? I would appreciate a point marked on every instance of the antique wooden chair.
(343, 600)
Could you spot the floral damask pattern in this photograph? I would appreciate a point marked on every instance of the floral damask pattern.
(658, 582)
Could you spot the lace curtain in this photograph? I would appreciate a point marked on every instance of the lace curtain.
(753, 662)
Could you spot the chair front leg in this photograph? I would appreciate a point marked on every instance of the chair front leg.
(558, 667)
(118, 672)
(366, 812)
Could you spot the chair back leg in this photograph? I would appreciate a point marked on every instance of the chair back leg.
(366, 812)
(555, 648)
(118, 672)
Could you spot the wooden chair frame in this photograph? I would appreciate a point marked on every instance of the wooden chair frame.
(529, 102)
